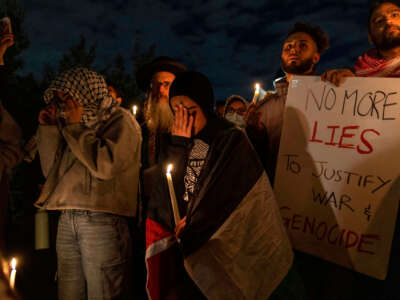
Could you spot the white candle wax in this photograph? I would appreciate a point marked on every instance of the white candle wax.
(13, 272)
(256, 92)
(174, 203)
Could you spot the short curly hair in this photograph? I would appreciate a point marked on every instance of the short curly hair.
(320, 38)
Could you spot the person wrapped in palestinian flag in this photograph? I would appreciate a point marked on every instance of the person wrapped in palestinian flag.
(230, 242)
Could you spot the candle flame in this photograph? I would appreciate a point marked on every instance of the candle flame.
(257, 86)
(169, 168)
(134, 109)
(13, 263)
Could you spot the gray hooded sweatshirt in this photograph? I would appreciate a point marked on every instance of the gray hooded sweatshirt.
(92, 165)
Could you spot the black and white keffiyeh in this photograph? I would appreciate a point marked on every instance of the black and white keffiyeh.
(195, 163)
(89, 89)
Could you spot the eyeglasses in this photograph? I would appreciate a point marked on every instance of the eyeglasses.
(239, 111)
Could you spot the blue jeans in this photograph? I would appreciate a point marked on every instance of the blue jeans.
(93, 256)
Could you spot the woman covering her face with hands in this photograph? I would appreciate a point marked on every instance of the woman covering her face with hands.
(209, 155)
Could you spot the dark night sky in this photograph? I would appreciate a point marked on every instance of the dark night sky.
(235, 43)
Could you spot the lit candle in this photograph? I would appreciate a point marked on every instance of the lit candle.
(174, 203)
(13, 272)
(256, 92)
(134, 110)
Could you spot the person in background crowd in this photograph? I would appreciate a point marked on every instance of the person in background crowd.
(155, 79)
(209, 156)
(301, 51)
(90, 152)
(383, 60)
(235, 110)
(384, 34)
(10, 141)
(115, 92)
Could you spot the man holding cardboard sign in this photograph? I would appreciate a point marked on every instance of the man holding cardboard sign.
(384, 34)
(301, 51)
(383, 60)
(332, 138)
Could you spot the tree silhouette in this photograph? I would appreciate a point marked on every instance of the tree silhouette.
(139, 58)
(116, 73)
(78, 56)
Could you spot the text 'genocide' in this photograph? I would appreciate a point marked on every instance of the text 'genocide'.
(331, 234)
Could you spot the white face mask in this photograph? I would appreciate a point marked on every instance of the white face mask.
(236, 119)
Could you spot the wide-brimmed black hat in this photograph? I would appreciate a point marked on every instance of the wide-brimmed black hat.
(159, 64)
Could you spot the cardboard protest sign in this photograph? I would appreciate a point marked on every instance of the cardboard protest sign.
(337, 178)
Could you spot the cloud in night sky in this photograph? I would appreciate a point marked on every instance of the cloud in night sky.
(234, 42)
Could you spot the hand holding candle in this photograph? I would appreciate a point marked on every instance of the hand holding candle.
(180, 226)
(174, 203)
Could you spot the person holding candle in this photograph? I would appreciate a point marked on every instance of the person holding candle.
(301, 51)
(7, 292)
(220, 208)
(10, 156)
(90, 151)
(10, 137)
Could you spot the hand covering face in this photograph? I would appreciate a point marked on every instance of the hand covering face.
(89, 89)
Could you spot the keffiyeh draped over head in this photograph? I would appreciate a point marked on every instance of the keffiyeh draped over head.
(89, 89)
(371, 65)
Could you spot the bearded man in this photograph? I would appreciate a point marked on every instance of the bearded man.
(155, 80)
(301, 50)
(383, 60)
(384, 34)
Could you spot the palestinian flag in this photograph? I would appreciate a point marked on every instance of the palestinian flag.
(234, 245)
